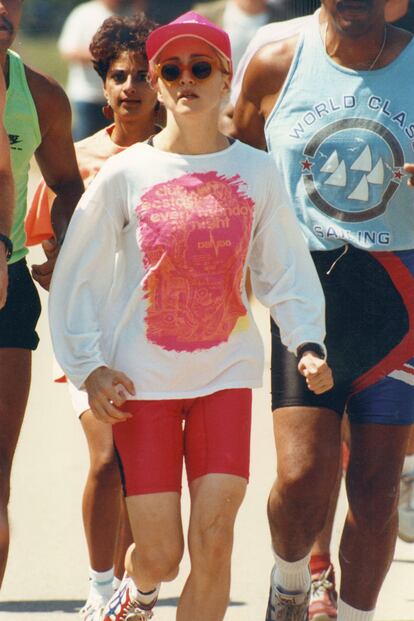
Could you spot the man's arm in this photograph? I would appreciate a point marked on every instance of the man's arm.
(262, 83)
(57, 162)
(6, 194)
(409, 168)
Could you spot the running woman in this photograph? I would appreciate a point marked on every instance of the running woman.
(7, 197)
(149, 313)
(332, 109)
(118, 55)
(37, 120)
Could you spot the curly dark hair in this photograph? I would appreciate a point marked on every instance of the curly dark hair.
(117, 35)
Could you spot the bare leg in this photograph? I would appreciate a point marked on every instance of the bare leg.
(299, 499)
(410, 445)
(215, 501)
(322, 543)
(368, 540)
(123, 542)
(158, 539)
(15, 372)
(102, 498)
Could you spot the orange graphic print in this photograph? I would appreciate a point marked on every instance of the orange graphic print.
(194, 234)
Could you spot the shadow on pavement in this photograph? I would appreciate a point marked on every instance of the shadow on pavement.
(48, 605)
(71, 605)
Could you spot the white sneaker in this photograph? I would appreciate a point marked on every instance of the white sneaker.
(406, 508)
(287, 607)
(123, 607)
(93, 609)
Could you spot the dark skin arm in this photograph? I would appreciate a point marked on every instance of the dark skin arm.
(7, 194)
(57, 162)
(262, 83)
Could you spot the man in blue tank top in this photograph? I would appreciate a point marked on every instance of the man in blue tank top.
(37, 120)
(331, 106)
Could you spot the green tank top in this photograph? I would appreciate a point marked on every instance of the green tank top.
(22, 125)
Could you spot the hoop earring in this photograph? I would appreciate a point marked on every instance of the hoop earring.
(108, 112)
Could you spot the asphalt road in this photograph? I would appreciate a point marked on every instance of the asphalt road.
(46, 578)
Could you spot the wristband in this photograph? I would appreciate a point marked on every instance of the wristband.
(8, 245)
(315, 348)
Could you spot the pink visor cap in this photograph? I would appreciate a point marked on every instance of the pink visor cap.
(190, 24)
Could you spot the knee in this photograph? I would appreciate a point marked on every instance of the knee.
(104, 468)
(303, 491)
(211, 543)
(161, 561)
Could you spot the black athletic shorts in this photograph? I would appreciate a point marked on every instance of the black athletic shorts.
(18, 318)
(370, 338)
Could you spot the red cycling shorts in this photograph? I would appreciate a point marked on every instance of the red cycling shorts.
(211, 433)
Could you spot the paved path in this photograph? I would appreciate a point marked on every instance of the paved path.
(47, 573)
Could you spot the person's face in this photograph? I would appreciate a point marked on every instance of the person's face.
(127, 89)
(355, 17)
(202, 81)
(10, 15)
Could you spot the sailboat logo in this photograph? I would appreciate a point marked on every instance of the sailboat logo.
(357, 183)
(373, 175)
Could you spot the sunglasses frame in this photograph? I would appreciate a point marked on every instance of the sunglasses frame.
(213, 62)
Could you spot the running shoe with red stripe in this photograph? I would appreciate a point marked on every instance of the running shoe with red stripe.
(323, 599)
(123, 607)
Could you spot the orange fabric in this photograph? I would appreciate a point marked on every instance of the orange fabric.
(91, 154)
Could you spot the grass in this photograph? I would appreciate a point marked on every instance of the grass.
(42, 54)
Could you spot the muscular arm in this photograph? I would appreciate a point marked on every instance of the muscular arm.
(262, 83)
(6, 195)
(56, 159)
(6, 178)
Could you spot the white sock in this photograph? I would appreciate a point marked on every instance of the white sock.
(347, 613)
(144, 598)
(408, 466)
(116, 583)
(291, 577)
(101, 584)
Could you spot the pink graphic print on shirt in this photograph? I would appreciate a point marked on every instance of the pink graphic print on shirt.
(194, 233)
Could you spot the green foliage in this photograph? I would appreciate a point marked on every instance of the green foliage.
(46, 17)
(41, 17)
(41, 53)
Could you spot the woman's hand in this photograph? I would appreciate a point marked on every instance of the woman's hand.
(42, 274)
(409, 168)
(316, 371)
(107, 390)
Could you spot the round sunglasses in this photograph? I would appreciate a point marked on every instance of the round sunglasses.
(170, 71)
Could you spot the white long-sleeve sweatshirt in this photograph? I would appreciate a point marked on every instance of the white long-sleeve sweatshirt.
(150, 279)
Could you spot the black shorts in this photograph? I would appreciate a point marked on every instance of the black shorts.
(19, 316)
(370, 338)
